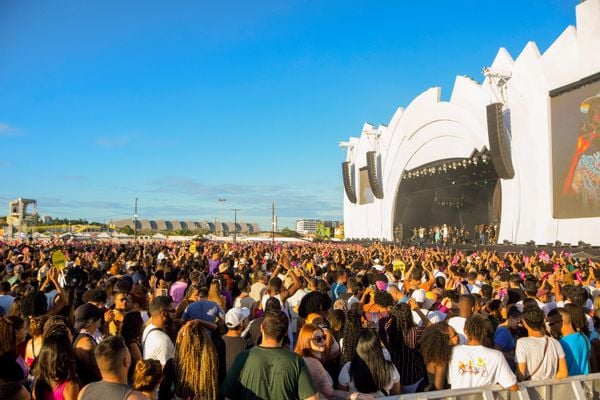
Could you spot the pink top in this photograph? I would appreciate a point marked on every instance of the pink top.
(178, 291)
(57, 393)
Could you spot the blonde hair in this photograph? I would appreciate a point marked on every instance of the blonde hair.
(214, 293)
(147, 375)
(195, 362)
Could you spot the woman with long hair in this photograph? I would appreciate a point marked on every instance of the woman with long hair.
(131, 330)
(369, 371)
(400, 337)
(349, 338)
(20, 330)
(55, 371)
(214, 293)
(13, 366)
(311, 346)
(192, 295)
(194, 368)
(436, 348)
(578, 318)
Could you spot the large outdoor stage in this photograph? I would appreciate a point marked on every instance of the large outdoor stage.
(519, 151)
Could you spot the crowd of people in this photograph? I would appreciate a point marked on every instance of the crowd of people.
(160, 320)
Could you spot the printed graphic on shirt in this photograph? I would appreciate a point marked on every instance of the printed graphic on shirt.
(468, 368)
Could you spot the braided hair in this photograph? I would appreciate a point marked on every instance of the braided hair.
(350, 337)
(195, 363)
(403, 322)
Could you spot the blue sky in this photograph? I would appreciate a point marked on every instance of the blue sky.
(181, 103)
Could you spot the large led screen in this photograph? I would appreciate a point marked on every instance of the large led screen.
(576, 152)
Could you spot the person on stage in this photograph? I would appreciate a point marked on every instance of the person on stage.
(583, 178)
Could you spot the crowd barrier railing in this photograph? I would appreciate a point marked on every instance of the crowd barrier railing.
(581, 387)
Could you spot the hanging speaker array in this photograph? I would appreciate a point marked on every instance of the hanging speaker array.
(374, 172)
(499, 142)
(348, 174)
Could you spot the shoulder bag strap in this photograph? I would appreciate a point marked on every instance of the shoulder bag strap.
(146, 337)
(541, 362)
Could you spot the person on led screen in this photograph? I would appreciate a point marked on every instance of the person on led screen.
(583, 179)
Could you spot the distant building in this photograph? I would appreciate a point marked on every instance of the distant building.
(192, 226)
(46, 219)
(311, 226)
(306, 226)
(19, 215)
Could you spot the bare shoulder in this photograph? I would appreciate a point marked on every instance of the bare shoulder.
(135, 395)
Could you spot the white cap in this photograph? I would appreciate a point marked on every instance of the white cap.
(236, 316)
(418, 295)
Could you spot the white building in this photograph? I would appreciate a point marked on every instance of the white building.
(431, 138)
(306, 226)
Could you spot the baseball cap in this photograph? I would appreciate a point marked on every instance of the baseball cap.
(236, 316)
(418, 295)
(85, 313)
(430, 298)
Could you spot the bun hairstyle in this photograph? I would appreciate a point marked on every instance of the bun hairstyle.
(147, 375)
(36, 325)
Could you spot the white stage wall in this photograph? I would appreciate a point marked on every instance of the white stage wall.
(430, 129)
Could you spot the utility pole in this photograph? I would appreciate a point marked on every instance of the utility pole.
(235, 210)
(273, 225)
(135, 216)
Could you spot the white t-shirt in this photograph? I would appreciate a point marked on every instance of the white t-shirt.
(345, 379)
(157, 344)
(285, 310)
(470, 288)
(545, 307)
(530, 350)
(475, 366)
(433, 316)
(292, 303)
(458, 323)
(257, 290)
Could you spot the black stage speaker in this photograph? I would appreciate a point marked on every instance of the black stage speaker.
(374, 173)
(348, 174)
(499, 142)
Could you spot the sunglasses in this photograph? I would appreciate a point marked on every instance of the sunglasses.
(318, 339)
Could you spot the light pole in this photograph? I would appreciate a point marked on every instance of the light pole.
(221, 201)
(273, 225)
(135, 217)
(235, 210)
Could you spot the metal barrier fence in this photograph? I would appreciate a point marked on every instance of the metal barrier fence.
(582, 387)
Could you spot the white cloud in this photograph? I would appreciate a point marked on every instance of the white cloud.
(8, 130)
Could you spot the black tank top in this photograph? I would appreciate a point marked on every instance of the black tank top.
(106, 390)
(85, 374)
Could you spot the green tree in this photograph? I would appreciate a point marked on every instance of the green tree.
(287, 232)
(127, 230)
